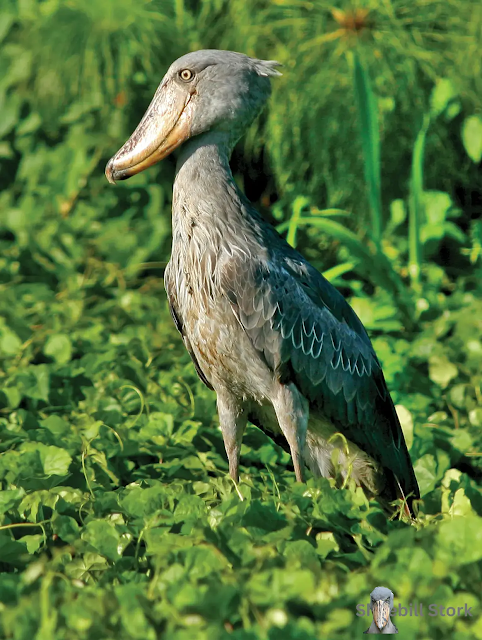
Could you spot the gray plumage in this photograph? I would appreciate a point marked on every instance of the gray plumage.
(275, 340)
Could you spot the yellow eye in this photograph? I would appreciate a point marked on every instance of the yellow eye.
(186, 75)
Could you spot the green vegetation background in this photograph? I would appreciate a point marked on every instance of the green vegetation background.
(117, 517)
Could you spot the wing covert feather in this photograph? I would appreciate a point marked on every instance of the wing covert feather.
(309, 334)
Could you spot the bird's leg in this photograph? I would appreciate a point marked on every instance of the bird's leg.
(292, 411)
(232, 419)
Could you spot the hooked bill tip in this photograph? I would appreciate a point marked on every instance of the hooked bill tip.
(109, 171)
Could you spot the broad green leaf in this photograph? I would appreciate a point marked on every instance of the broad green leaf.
(10, 112)
(135, 619)
(436, 205)
(441, 370)
(9, 498)
(34, 382)
(426, 473)
(56, 425)
(459, 541)
(398, 213)
(66, 528)
(457, 395)
(55, 461)
(32, 542)
(475, 417)
(30, 124)
(103, 537)
(472, 137)
(10, 343)
(33, 503)
(442, 94)
(59, 348)
(13, 396)
(406, 421)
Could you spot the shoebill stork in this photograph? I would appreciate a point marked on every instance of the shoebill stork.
(381, 604)
(276, 341)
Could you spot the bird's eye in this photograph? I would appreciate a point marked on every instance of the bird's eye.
(186, 75)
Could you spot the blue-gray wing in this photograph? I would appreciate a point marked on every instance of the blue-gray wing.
(308, 334)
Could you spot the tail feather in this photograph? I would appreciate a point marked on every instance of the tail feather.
(377, 481)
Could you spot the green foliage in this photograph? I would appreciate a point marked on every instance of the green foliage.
(117, 516)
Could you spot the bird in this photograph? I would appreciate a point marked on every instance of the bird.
(278, 343)
(381, 604)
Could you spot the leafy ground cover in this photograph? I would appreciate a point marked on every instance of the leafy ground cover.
(117, 516)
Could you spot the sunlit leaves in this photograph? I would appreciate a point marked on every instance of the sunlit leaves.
(442, 94)
(59, 347)
(55, 461)
(104, 538)
(472, 137)
(10, 343)
(406, 421)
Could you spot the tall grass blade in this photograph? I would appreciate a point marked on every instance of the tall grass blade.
(333, 274)
(369, 259)
(298, 205)
(415, 220)
(370, 139)
(294, 222)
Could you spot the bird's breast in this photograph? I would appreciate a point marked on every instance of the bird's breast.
(221, 346)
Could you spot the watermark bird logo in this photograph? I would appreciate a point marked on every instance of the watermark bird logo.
(381, 603)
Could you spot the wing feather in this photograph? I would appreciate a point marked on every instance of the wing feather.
(308, 334)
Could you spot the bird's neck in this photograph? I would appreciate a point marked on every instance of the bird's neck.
(204, 187)
(209, 151)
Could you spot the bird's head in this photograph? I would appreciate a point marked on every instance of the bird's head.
(208, 90)
(381, 603)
